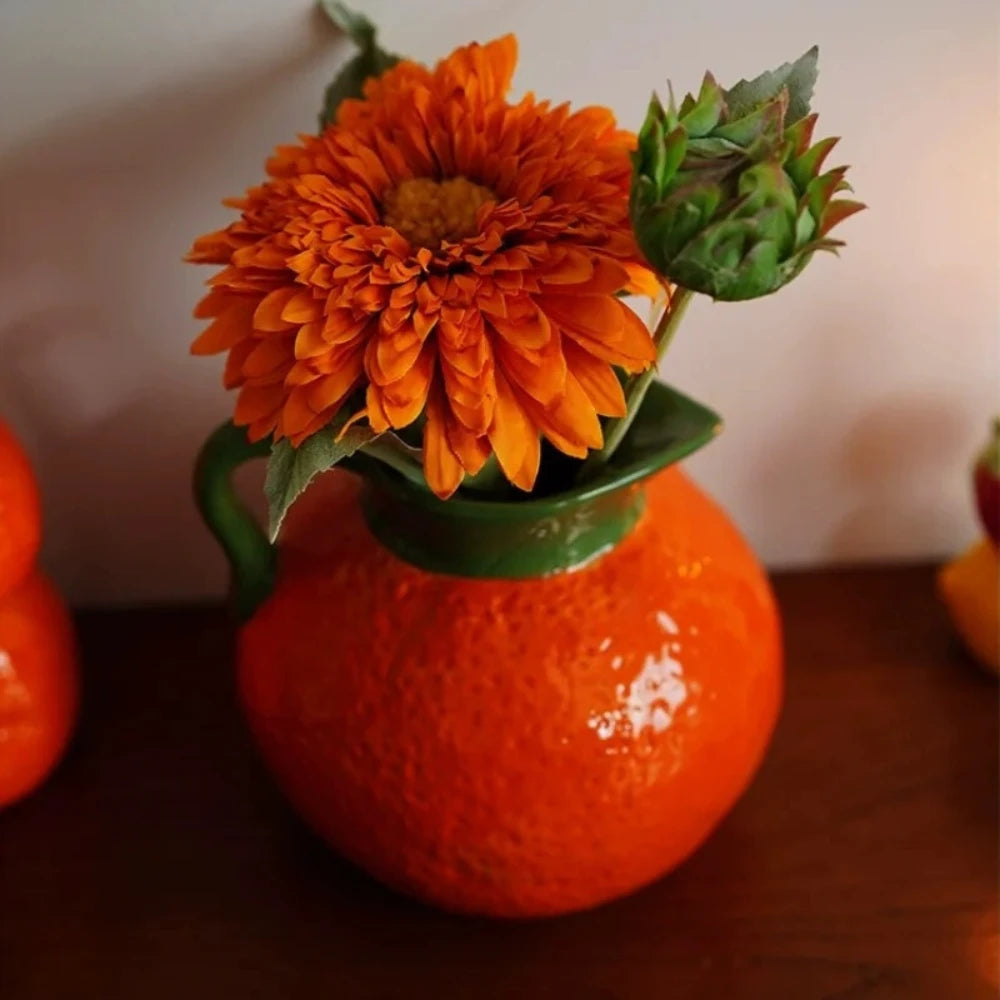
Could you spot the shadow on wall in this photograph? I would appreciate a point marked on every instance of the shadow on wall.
(101, 391)
(894, 456)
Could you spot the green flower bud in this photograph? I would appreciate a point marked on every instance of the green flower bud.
(727, 195)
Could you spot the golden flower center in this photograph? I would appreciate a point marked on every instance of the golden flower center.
(428, 212)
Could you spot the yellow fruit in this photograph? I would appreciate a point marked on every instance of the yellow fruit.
(970, 589)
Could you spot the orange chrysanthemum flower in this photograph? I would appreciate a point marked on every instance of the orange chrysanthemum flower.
(448, 253)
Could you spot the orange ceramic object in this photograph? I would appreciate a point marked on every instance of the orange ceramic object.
(20, 512)
(38, 685)
(969, 586)
(515, 747)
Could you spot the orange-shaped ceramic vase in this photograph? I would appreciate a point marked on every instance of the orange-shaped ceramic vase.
(513, 709)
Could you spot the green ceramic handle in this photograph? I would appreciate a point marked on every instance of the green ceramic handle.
(252, 558)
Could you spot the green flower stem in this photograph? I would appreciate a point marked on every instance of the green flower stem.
(616, 429)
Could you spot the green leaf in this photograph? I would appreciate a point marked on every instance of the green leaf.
(350, 81)
(837, 211)
(643, 194)
(371, 61)
(666, 428)
(799, 134)
(660, 151)
(701, 116)
(804, 168)
(821, 189)
(799, 77)
(764, 122)
(655, 164)
(711, 147)
(805, 225)
(674, 149)
(290, 470)
(655, 115)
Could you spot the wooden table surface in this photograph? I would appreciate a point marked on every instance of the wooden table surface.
(862, 863)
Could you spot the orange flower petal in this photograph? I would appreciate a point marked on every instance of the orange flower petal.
(256, 403)
(341, 326)
(597, 379)
(472, 399)
(371, 298)
(572, 424)
(257, 430)
(269, 354)
(574, 267)
(336, 358)
(483, 72)
(471, 361)
(384, 364)
(631, 347)
(608, 278)
(526, 475)
(636, 342)
(599, 318)
(510, 430)
(233, 374)
(402, 296)
(377, 419)
(318, 422)
(303, 263)
(267, 316)
(331, 390)
(643, 281)
(213, 248)
(491, 300)
(361, 414)
(264, 255)
(301, 373)
(309, 342)
(474, 418)
(472, 449)
(302, 308)
(532, 332)
(423, 323)
(442, 468)
(405, 338)
(296, 414)
(541, 374)
(459, 388)
(405, 399)
(215, 303)
(393, 319)
(500, 58)
(229, 328)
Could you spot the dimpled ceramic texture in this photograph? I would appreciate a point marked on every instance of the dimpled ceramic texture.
(515, 747)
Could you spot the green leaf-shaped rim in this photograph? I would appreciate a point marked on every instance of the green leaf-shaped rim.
(465, 536)
(536, 536)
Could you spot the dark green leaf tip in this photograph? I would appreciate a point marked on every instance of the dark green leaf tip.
(356, 26)
(799, 78)
(371, 60)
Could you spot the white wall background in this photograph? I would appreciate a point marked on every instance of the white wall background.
(854, 399)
